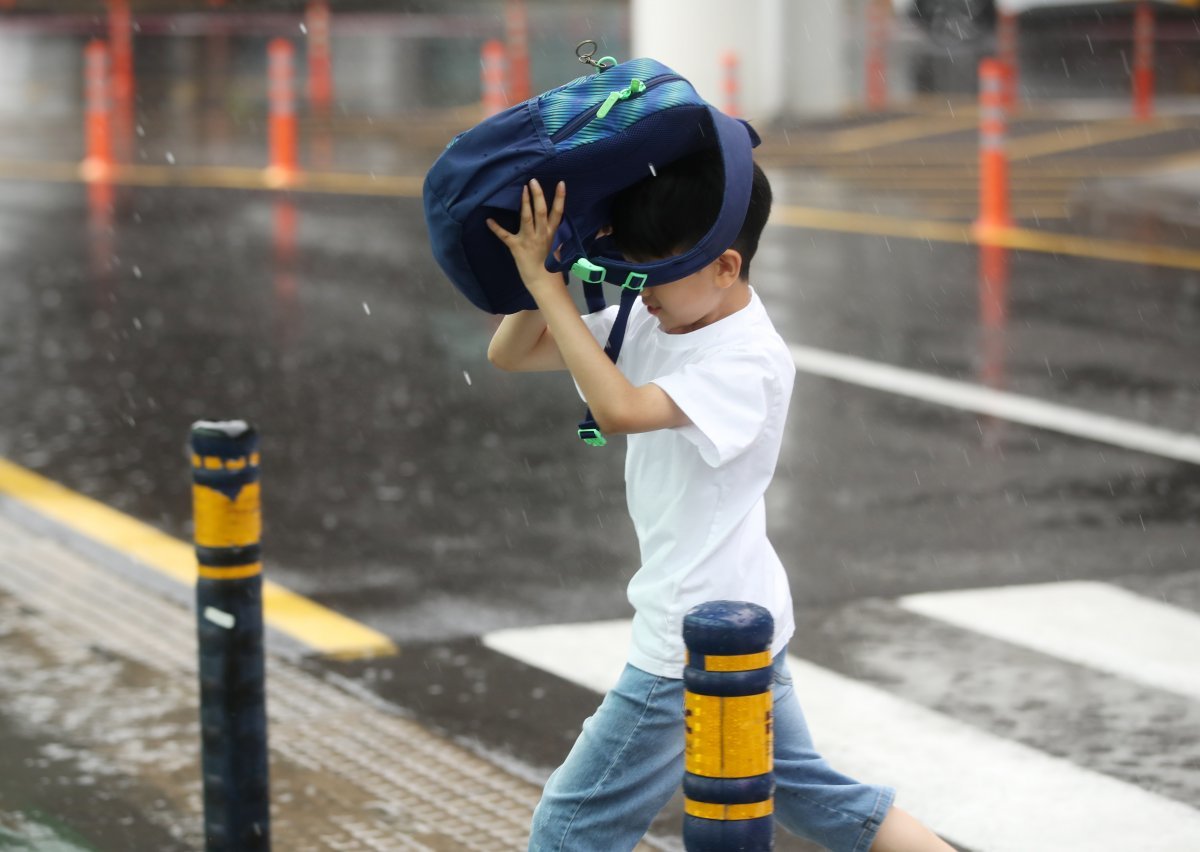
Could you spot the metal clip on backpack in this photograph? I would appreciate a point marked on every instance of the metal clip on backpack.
(600, 133)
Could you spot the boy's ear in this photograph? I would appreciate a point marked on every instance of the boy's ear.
(728, 267)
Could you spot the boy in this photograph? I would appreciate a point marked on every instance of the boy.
(702, 388)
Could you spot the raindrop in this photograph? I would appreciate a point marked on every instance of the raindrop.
(467, 376)
(652, 171)
(366, 309)
(137, 271)
(137, 323)
(141, 131)
(170, 158)
(303, 28)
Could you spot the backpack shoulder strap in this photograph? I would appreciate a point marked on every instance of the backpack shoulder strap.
(589, 431)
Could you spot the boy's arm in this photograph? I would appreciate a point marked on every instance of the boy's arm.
(524, 343)
(617, 405)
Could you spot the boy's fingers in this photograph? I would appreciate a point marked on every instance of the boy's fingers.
(495, 228)
(526, 213)
(539, 199)
(560, 202)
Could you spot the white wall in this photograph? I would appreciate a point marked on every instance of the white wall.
(790, 51)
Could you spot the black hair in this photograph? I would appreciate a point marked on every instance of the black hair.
(668, 212)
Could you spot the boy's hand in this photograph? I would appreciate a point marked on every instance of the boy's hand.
(534, 240)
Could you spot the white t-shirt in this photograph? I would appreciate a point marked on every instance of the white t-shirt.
(696, 493)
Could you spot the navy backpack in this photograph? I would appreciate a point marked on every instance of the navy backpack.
(600, 133)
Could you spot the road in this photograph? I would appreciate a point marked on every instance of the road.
(1005, 598)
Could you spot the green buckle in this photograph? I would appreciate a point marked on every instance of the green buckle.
(587, 271)
(592, 437)
(641, 281)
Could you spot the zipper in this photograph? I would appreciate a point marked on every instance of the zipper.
(584, 118)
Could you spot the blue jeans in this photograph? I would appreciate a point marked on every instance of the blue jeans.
(628, 762)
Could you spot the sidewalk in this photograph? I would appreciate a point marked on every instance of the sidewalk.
(100, 721)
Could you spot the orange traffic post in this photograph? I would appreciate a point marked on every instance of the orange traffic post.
(993, 311)
(101, 196)
(1006, 48)
(1143, 61)
(120, 37)
(516, 20)
(879, 14)
(492, 62)
(281, 90)
(993, 160)
(320, 66)
(730, 84)
(97, 163)
(285, 249)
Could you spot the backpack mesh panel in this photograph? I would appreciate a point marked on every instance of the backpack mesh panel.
(657, 140)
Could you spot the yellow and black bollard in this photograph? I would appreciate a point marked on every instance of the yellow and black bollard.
(729, 786)
(233, 719)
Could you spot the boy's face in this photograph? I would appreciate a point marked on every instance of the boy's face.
(698, 300)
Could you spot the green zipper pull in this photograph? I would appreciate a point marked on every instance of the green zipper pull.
(608, 104)
(635, 87)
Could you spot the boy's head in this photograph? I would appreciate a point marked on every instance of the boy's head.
(667, 213)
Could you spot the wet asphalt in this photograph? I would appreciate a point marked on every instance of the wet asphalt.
(412, 486)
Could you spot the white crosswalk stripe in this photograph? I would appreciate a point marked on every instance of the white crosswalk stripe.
(1093, 624)
(975, 787)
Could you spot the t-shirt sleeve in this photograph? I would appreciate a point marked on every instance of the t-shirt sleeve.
(601, 323)
(728, 397)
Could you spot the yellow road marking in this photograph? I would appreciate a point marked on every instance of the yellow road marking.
(869, 223)
(955, 170)
(803, 217)
(1027, 239)
(918, 181)
(972, 200)
(958, 214)
(899, 130)
(318, 627)
(942, 105)
(1188, 160)
(965, 156)
(222, 177)
(1084, 136)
